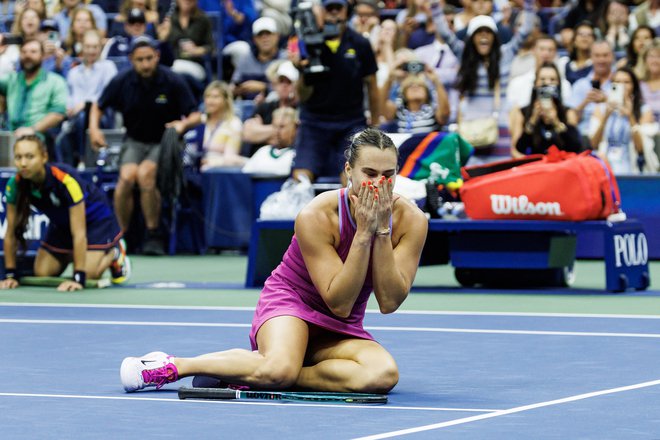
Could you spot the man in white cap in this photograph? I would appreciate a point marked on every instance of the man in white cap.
(249, 78)
(258, 130)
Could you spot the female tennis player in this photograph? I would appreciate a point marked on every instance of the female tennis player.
(307, 330)
(82, 227)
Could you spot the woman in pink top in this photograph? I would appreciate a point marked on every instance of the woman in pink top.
(307, 330)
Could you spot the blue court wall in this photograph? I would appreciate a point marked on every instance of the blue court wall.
(640, 199)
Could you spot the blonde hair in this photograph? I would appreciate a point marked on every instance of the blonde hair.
(641, 69)
(271, 70)
(16, 28)
(225, 91)
(71, 38)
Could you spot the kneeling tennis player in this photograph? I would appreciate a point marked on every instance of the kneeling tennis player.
(307, 330)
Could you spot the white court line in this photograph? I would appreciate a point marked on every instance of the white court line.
(370, 311)
(509, 411)
(127, 306)
(125, 323)
(379, 328)
(242, 402)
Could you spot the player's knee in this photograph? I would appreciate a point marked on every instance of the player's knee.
(278, 375)
(381, 378)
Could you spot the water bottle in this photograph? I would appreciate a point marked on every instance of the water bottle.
(102, 157)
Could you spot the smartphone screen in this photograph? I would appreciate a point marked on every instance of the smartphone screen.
(616, 94)
(292, 45)
(595, 84)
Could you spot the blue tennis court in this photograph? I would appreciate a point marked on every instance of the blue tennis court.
(464, 375)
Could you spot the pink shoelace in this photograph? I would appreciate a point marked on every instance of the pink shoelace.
(161, 376)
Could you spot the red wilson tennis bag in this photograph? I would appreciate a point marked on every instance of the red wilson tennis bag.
(557, 186)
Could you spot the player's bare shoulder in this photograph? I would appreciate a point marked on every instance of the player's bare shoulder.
(320, 214)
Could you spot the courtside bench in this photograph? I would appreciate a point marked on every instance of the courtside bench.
(488, 251)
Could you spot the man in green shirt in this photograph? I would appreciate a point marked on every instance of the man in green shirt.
(36, 99)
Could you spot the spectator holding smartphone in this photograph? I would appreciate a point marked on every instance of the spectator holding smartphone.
(593, 88)
(622, 129)
(544, 122)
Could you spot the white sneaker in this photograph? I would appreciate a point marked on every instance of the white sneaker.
(151, 370)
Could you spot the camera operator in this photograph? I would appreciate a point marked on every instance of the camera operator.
(336, 67)
(544, 122)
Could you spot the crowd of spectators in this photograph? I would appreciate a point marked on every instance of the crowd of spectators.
(578, 74)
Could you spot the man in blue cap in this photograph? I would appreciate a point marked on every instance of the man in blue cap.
(332, 101)
(151, 98)
(135, 25)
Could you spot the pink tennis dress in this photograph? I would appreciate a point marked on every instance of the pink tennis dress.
(289, 291)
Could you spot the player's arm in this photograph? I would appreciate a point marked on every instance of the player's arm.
(394, 268)
(9, 247)
(79, 238)
(339, 283)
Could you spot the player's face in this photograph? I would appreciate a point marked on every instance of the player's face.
(371, 165)
(145, 61)
(29, 160)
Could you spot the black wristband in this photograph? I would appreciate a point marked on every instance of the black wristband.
(79, 277)
(10, 273)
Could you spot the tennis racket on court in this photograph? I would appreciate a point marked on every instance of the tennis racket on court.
(230, 394)
(56, 281)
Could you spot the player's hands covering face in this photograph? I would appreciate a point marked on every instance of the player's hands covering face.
(366, 207)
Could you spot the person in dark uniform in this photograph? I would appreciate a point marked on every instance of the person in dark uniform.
(82, 229)
(151, 98)
(332, 102)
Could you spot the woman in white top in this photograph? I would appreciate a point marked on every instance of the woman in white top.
(622, 129)
(222, 129)
(648, 71)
